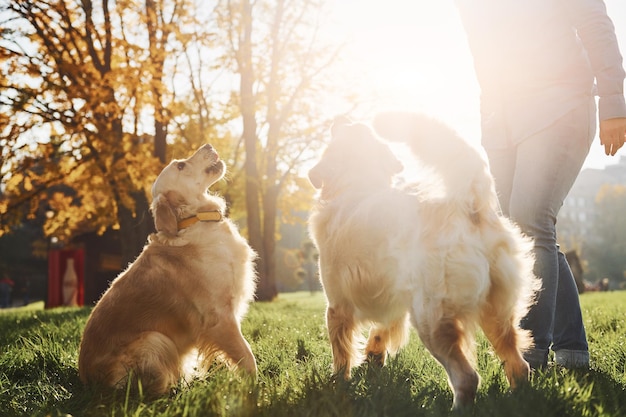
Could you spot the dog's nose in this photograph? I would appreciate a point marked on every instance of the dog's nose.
(209, 152)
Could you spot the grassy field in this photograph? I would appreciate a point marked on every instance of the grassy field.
(38, 374)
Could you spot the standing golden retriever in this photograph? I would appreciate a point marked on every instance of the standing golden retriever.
(185, 294)
(437, 253)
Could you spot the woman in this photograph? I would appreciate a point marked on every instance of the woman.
(536, 62)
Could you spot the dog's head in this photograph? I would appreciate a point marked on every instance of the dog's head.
(180, 190)
(355, 157)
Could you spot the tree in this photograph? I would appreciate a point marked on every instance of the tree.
(96, 95)
(79, 81)
(275, 49)
(606, 252)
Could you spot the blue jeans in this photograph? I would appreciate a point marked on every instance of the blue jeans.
(532, 179)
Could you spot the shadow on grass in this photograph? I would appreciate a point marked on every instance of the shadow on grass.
(371, 392)
(395, 392)
(28, 322)
(401, 388)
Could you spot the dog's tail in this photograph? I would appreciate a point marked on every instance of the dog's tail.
(463, 170)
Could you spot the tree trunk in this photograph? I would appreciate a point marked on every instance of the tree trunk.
(267, 287)
(157, 55)
(255, 235)
(134, 230)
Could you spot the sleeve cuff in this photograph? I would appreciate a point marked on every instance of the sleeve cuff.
(611, 107)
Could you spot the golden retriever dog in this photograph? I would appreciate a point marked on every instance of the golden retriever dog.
(184, 295)
(436, 254)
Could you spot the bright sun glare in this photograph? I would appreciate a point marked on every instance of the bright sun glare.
(413, 55)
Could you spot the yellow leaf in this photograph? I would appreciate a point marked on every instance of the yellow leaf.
(28, 185)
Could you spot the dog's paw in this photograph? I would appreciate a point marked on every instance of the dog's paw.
(376, 358)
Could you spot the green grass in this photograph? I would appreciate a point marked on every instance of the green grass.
(38, 375)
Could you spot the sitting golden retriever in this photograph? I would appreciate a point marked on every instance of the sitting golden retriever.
(436, 254)
(185, 294)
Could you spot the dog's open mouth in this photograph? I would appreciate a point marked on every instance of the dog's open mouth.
(216, 167)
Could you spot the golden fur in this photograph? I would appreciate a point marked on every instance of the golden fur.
(436, 254)
(184, 295)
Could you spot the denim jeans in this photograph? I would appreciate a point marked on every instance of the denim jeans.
(533, 177)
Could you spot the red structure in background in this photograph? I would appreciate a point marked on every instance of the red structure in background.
(57, 265)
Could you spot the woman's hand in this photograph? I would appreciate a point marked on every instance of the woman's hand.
(612, 134)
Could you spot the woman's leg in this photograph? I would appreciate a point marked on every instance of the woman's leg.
(545, 167)
(569, 341)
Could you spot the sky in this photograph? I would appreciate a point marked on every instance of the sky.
(414, 55)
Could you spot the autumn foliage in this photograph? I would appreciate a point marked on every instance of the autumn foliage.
(95, 96)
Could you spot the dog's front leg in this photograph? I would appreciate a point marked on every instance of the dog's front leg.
(376, 348)
(341, 327)
(386, 340)
(226, 337)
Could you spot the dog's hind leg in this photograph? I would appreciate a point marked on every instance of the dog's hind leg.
(506, 302)
(497, 319)
(385, 340)
(151, 360)
(341, 332)
(504, 337)
(447, 341)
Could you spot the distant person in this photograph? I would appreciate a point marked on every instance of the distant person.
(26, 290)
(536, 62)
(6, 287)
(604, 284)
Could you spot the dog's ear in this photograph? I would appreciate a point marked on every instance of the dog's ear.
(339, 123)
(316, 176)
(164, 214)
(320, 172)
